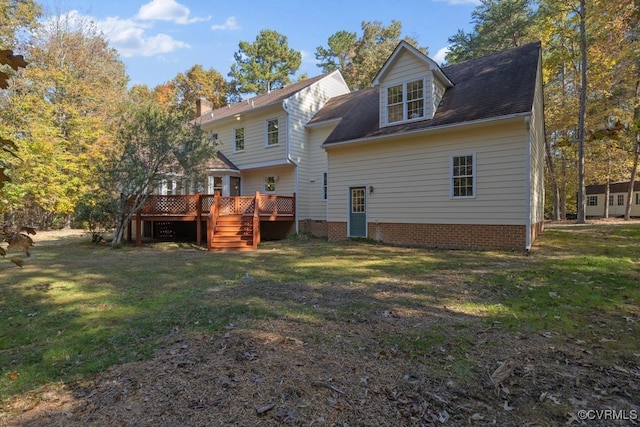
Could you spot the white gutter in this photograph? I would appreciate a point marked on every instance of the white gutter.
(427, 130)
(291, 161)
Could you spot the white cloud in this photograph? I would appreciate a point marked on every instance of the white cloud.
(129, 37)
(230, 24)
(440, 55)
(167, 10)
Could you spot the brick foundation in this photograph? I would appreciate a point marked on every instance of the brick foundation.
(451, 236)
(314, 227)
(536, 229)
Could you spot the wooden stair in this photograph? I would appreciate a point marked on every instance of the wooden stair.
(233, 233)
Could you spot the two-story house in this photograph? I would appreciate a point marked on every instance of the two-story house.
(428, 155)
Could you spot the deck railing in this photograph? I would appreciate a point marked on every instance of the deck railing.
(195, 207)
(201, 204)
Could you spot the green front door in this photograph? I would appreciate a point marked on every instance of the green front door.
(358, 212)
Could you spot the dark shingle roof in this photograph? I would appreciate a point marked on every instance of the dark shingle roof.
(271, 98)
(491, 86)
(614, 187)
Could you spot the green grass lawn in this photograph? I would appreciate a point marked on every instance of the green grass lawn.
(80, 308)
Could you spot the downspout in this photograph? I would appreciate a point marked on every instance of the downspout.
(290, 160)
(527, 124)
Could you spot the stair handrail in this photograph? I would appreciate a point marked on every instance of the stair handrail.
(256, 220)
(212, 219)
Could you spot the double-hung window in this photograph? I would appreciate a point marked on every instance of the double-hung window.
(270, 184)
(272, 132)
(592, 200)
(238, 138)
(620, 199)
(638, 198)
(463, 177)
(405, 101)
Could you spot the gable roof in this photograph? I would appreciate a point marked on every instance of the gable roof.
(614, 187)
(274, 97)
(489, 87)
(220, 163)
(402, 46)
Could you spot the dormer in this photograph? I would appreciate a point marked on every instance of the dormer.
(411, 86)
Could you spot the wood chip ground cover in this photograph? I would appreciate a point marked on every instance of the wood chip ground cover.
(418, 349)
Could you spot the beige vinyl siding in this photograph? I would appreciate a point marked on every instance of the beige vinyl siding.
(255, 131)
(411, 176)
(536, 139)
(301, 107)
(407, 68)
(614, 209)
(253, 180)
(438, 92)
(317, 207)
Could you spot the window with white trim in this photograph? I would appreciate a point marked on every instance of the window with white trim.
(463, 176)
(215, 184)
(325, 185)
(405, 101)
(272, 132)
(238, 138)
(592, 200)
(269, 184)
(637, 198)
(610, 199)
(620, 199)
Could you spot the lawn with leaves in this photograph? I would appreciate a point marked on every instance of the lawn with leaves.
(310, 332)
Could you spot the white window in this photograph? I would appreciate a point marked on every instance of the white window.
(168, 187)
(463, 177)
(272, 132)
(592, 200)
(405, 101)
(325, 185)
(215, 184)
(620, 199)
(610, 199)
(269, 184)
(637, 198)
(238, 137)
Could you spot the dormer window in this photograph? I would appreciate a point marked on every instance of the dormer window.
(405, 101)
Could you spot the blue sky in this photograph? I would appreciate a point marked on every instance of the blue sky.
(157, 39)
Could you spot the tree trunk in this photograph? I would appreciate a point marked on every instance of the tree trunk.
(636, 157)
(554, 182)
(582, 114)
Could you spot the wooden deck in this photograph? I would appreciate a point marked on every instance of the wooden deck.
(232, 222)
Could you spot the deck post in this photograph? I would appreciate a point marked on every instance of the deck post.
(198, 219)
(256, 221)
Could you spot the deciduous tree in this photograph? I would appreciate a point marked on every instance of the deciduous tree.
(58, 111)
(151, 141)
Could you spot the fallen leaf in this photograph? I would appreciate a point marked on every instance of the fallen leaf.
(265, 408)
(505, 369)
(13, 376)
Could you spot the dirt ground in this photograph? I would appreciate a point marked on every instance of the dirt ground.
(287, 372)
